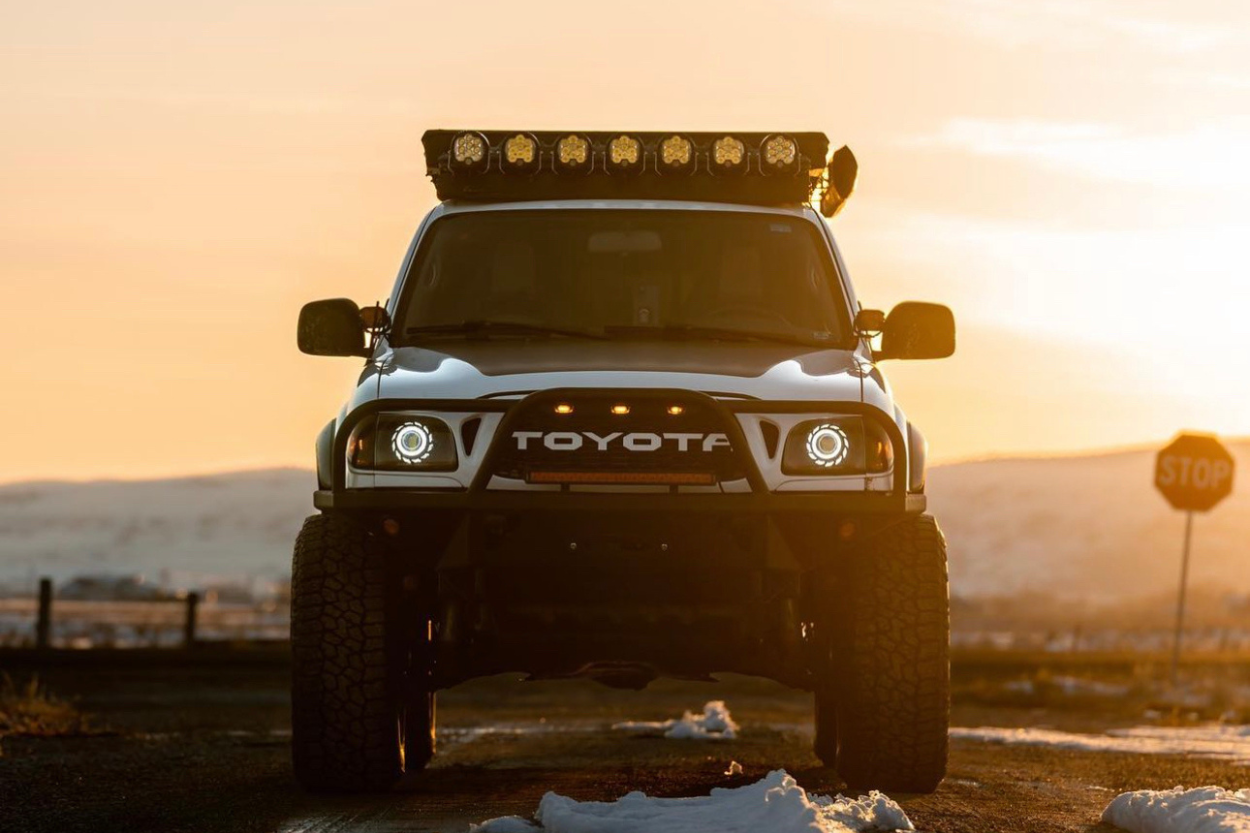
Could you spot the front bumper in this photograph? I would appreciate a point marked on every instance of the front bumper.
(627, 586)
(767, 503)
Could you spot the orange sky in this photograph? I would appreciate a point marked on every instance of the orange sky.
(1070, 175)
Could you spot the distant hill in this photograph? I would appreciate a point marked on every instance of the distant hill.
(233, 525)
(1089, 526)
(1082, 527)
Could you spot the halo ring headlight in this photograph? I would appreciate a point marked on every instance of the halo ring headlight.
(412, 442)
(828, 445)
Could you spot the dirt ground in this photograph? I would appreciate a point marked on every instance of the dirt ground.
(205, 749)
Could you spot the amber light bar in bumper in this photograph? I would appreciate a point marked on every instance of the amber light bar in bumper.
(635, 478)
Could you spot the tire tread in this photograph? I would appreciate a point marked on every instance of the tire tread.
(344, 691)
(892, 646)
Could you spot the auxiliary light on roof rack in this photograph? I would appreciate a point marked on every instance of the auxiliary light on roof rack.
(755, 168)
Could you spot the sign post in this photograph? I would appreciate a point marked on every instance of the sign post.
(1194, 472)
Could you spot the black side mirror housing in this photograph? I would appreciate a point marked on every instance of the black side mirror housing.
(915, 330)
(332, 328)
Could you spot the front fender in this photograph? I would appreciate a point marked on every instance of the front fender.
(325, 456)
(917, 453)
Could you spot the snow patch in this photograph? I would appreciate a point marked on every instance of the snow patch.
(775, 803)
(1078, 686)
(714, 724)
(1203, 810)
(1227, 743)
(457, 735)
(1067, 686)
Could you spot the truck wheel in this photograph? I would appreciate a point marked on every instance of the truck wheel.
(826, 741)
(361, 714)
(886, 696)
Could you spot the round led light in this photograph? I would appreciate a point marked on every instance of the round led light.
(729, 155)
(828, 445)
(412, 442)
(573, 152)
(469, 151)
(625, 152)
(521, 152)
(676, 153)
(779, 154)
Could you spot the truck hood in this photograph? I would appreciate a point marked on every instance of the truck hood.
(474, 369)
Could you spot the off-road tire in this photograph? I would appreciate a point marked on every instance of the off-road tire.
(825, 742)
(360, 716)
(889, 684)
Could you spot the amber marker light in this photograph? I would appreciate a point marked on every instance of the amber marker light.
(620, 410)
(676, 410)
(564, 408)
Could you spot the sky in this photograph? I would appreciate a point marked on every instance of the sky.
(176, 179)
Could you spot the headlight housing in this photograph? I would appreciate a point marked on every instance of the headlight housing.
(401, 442)
(837, 446)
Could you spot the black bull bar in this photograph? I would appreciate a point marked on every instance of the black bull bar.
(759, 499)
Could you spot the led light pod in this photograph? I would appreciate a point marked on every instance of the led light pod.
(624, 154)
(521, 153)
(573, 154)
(779, 154)
(470, 152)
(676, 155)
(728, 156)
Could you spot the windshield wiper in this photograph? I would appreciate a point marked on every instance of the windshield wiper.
(688, 331)
(481, 327)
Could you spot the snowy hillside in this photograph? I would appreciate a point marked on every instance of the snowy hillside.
(1089, 526)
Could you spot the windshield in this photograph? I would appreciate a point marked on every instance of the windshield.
(604, 273)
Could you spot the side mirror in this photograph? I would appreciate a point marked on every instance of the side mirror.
(332, 328)
(914, 330)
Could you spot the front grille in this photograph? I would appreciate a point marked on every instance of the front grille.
(675, 440)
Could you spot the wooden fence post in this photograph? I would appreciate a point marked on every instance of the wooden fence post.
(188, 629)
(43, 622)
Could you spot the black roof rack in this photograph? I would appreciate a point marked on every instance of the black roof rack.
(752, 168)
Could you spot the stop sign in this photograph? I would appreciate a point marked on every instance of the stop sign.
(1194, 472)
